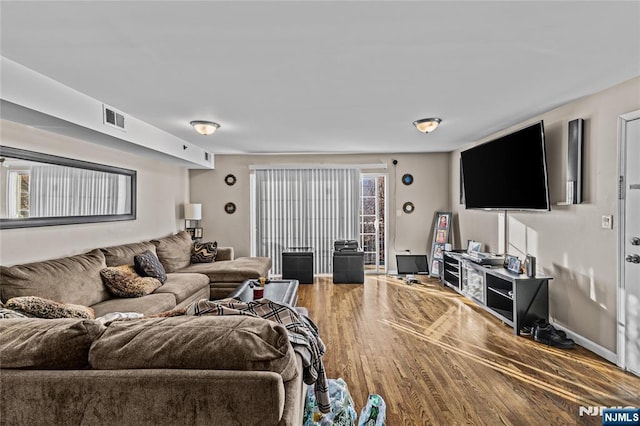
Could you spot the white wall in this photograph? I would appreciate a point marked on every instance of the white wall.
(161, 191)
(429, 193)
(568, 241)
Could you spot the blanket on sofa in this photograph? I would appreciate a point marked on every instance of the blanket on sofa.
(303, 335)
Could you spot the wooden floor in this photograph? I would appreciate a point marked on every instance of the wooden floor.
(438, 359)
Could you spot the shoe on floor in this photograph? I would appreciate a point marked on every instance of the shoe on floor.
(543, 323)
(546, 333)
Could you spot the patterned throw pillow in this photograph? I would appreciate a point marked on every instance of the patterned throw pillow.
(45, 308)
(147, 264)
(204, 252)
(123, 281)
(9, 313)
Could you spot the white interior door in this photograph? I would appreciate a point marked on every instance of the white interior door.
(629, 243)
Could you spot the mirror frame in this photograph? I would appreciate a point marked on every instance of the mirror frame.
(30, 222)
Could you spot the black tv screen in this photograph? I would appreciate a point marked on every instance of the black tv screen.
(508, 173)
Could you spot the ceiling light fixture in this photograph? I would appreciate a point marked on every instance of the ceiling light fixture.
(205, 127)
(427, 125)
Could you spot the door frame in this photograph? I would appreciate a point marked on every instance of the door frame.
(621, 287)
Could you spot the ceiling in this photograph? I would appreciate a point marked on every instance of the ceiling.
(333, 77)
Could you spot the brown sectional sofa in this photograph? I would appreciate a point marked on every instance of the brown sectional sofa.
(76, 279)
(152, 371)
(159, 371)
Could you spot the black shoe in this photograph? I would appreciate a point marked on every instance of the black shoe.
(549, 335)
(543, 323)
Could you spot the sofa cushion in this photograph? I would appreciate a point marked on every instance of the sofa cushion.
(149, 305)
(123, 281)
(182, 286)
(174, 252)
(204, 252)
(47, 344)
(124, 253)
(147, 264)
(239, 270)
(50, 309)
(73, 279)
(208, 342)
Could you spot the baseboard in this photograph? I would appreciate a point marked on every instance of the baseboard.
(588, 344)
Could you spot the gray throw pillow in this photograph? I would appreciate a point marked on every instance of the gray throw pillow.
(147, 264)
(204, 252)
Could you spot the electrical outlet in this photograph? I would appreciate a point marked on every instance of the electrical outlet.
(607, 222)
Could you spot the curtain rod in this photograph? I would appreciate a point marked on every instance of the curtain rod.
(317, 166)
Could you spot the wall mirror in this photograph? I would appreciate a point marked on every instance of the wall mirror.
(41, 190)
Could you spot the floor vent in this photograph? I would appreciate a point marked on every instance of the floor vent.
(113, 118)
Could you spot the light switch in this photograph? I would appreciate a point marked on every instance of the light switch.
(607, 222)
(398, 213)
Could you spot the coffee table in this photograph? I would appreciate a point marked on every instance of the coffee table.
(284, 291)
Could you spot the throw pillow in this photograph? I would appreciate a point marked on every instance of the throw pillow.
(204, 252)
(9, 313)
(174, 251)
(147, 264)
(45, 308)
(123, 281)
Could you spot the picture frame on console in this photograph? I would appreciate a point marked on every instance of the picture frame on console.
(512, 264)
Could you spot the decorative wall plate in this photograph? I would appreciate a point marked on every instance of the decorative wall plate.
(408, 207)
(230, 179)
(407, 178)
(230, 208)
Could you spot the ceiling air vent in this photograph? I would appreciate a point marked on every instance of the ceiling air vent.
(113, 118)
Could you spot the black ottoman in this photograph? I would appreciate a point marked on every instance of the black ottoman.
(348, 267)
(297, 264)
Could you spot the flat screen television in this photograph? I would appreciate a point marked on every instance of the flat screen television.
(412, 264)
(507, 173)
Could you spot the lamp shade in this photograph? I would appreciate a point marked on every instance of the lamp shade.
(193, 211)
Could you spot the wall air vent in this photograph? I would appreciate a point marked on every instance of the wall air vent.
(113, 118)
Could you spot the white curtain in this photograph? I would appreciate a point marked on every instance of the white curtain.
(65, 191)
(305, 208)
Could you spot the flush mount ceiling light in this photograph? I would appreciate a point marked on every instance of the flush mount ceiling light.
(205, 127)
(427, 125)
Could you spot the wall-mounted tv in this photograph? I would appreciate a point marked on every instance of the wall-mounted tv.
(507, 173)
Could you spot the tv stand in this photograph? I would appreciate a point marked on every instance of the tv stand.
(516, 299)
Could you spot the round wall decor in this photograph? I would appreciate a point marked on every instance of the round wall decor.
(230, 179)
(408, 207)
(230, 208)
(407, 179)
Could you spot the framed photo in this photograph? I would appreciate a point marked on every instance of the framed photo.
(443, 221)
(438, 253)
(513, 264)
(473, 247)
(197, 232)
(435, 268)
(441, 228)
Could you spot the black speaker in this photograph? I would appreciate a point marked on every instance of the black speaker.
(574, 161)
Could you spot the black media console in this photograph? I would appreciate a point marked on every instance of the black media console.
(516, 299)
